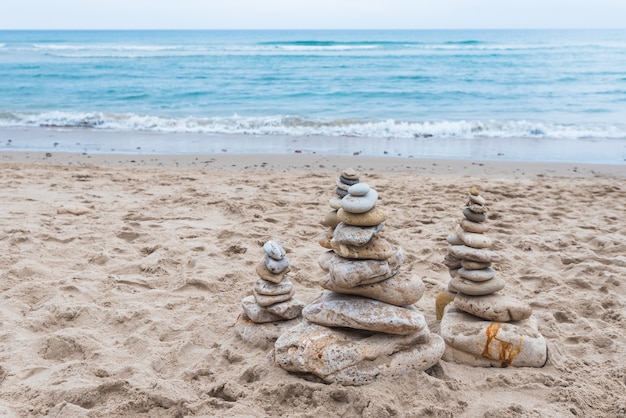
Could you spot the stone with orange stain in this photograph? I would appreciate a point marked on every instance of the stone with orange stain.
(477, 342)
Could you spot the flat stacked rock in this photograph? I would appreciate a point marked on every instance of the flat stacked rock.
(482, 327)
(363, 327)
(347, 178)
(271, 308)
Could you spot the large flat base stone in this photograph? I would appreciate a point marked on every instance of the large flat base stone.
(354, 358)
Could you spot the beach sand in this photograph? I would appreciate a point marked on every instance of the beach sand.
(122, 277)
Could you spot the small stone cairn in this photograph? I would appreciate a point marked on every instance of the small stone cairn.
(363, 327)
(349, 177)
(271, 308)
(480, 326)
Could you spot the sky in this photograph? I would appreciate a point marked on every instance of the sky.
(312, 14)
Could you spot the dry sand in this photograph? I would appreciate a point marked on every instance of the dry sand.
(122, 276)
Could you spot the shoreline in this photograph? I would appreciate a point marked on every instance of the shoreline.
(152, 144)
(300, 163)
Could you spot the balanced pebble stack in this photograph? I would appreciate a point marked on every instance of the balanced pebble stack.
(483, 327)
(347, 178)
(271, 301)
(363, 327)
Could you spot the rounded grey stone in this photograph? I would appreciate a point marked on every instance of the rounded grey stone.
(348, 181)
(360, 204)
(474, 265)
(276, 266)
(359, 189)
(473, 216)
(481, 275)
(477, 288)
(274, 250)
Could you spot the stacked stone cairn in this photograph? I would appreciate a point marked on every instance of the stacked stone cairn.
(271, 308)
(363, 327)
(482, 327)
(349, 177)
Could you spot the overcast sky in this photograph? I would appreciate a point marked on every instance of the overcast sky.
(311, 14)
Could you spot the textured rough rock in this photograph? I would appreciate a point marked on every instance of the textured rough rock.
(376, 249)
(267, 300)
(354, 357)
(265, 287)
(494, 307)
(476, 342)
(401, 289)
(464, 252)
(370, 218)
(350, 273)
(354, 235)
(338, 310)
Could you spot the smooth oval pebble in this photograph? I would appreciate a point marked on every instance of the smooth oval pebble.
(473, 216)
(479, 200)
(335, 202)
(360, 204)
(475, 227)
(276, 266)
(477, 288)
(481, 275)
(453, 239)
(474, 265)
(274, 250)
(359, 189)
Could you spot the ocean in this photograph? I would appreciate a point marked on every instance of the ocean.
(195, 91)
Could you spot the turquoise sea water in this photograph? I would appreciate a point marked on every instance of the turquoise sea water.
(465, 84)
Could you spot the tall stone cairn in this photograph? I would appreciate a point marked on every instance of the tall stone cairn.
(482, 327)
(271, 308)
(363, 327)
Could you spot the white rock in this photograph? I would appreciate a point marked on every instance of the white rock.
(274, 250)
(359, 204)
(478, 199)
(359, 189)
(476, 342)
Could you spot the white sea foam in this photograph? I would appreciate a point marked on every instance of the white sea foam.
(296, 126)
